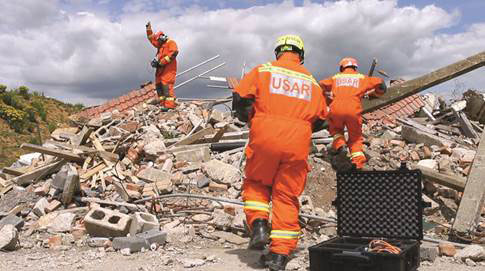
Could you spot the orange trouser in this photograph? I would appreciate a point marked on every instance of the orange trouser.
(353, 121)
(166, 95)
(276, 170)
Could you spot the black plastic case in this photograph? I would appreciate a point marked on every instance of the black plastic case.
(374, 205)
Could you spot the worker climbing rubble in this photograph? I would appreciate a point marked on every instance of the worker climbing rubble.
(346, 90)
(165, 63)
(283, 104)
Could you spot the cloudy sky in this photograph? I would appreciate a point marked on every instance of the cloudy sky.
(89, 51)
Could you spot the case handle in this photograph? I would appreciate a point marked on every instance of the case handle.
(350, 254)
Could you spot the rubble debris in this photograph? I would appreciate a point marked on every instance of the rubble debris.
(473, 252)
(9, 237)
(446, 249)
(142, 222)
(221, 172)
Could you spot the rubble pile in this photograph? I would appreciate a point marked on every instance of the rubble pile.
(141, 179)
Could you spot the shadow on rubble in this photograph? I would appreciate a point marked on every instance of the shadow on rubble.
(249, 257)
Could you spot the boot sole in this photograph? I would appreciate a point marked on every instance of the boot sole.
(258, 244)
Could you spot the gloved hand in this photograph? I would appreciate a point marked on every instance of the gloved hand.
(148, 25)
(155, 63)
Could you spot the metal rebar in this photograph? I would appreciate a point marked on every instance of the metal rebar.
(236, 202)
(198, 65)
(195, 77)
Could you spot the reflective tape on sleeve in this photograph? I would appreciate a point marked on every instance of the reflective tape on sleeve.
(356, 154)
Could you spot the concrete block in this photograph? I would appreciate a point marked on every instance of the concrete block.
(428, 252)
(53, 205)
(14, 220)
(142, 222)
(153, 175)
(9, 237)
(101, 222)
(71, 185)
(153, 236)
(39, 207)
(133, 243)
(221, 172)
(195, 155)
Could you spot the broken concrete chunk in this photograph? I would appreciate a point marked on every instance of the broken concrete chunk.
(154, 148)
(153, 175)
(230, 237)
(133, 243)
(39, 207)
(167, 165)
(428, 163)
(14, 220)
(71, 185)
(62, 223)
(446, 249)
(474, 252)
(221, 172)
(9, 238)
(216, 116)
(428, 252)
(195, 155)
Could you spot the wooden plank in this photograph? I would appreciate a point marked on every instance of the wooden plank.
(473, 196)
(37, 173)
(113, 157)
(466, 125)
(411, 87)
(196, 136)
(453, 182)
(57, 153)
(14, 171)
(92, 171)
(82, 136)
(219, 134)
(99, 147)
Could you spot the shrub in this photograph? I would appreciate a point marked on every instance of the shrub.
(14, 117)
(51, 126)
(24, 92)
(11, 98)
(3, 88)
(39, 107)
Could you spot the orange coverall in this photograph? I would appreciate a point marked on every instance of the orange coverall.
(165, 76)
(347, 89)
(287, 101)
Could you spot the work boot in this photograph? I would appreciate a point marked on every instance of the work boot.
(275, 262)
(259, 234)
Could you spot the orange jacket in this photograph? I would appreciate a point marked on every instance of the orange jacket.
(347, 89)
(166, 54)
(285, 92)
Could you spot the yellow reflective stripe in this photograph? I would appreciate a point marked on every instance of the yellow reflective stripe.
(170, 99)
(355, 154)
(349, 75)
(288, 72)
(162, 98)
(167, 58)
(285, 234)
(256, 205)
(337, 136)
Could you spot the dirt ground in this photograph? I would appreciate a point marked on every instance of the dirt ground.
(216, 259)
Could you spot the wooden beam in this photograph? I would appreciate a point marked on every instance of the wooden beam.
(466, 125)
(94, 170)
(57, 153)
(191, 139)
(14, 171)
(411, 87)
(113, 157)
(37, 173)
(81, 137)
(453, 182)
(473, 196)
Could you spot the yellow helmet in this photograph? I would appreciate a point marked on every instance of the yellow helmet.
(290, 43)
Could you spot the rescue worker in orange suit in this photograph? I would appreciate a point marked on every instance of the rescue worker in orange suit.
(283, 103)
(165, 63)
(346, 89)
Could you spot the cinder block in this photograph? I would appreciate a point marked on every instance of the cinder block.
(142, 222)
(101, 222)
(134, 243)
(153, 236)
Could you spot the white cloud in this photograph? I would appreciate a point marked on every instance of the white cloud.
(87, 56)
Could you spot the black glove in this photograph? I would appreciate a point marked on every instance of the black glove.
(155, 63)
(243, 107)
